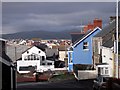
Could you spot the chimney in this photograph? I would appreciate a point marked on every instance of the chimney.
(97, 23)
(85, 29)
(90, 26)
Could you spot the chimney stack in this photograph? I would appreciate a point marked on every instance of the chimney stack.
(96, 23)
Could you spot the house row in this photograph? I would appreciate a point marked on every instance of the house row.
(38, 41)
(93, 49)
(19, 49)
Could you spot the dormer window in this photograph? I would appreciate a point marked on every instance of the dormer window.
(85, 45)
(110, 58)
(104, 56)
(43, 58)
(27, 51)
(38, 51)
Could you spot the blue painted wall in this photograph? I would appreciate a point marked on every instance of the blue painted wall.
(81, 56)
(70, 64)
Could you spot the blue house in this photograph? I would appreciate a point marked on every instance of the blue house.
(80, 53)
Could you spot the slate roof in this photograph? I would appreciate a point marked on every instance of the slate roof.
(51, 52)
(4, 56)
(107, 29)
(19, 50)
(85, 36)
(82, 37)
(42, 47)
(76, 36)
(109, 43)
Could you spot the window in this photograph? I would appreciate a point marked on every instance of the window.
(99, 71)
(85, 45)
(28, 57)
(25, 58)
(31, 57)
(34, 57)
(24, 69)
(70, 56)
(106, 70)
(102, 70)
(43, 58)
(104, 56)
(27, 51)
(43, 63)
(27, 68)
(37, 57)
(39, 52)
(110, 58)
(49, 63)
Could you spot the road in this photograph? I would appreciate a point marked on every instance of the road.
(82, 85)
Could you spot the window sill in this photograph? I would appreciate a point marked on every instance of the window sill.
(85, 49)
(70, 63)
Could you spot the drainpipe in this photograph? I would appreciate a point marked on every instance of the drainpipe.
(117, 68)
(113, 65)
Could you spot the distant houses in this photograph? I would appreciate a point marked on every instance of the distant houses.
(25, 53)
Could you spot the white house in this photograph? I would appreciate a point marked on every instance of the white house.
(22, 42)
(62, 52)
(34, 58)
(107, 57)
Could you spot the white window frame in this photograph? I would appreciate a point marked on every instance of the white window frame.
(103, 70)
(85, 46)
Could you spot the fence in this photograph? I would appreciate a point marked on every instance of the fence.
(86, 74)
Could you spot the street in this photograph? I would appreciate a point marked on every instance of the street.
(82, 85)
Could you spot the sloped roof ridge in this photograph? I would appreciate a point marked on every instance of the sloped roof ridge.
(86, 35)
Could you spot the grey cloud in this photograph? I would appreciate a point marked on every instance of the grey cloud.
(19, 17)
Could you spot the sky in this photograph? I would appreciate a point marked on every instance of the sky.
(53, 16)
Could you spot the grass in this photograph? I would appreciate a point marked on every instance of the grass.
(58, 77)
(66, 76)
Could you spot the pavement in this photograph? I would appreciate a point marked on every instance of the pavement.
(71, 84)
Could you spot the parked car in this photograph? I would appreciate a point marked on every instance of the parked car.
(100, 83)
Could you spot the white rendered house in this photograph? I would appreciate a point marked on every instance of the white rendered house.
(106, 68)
(35, 58)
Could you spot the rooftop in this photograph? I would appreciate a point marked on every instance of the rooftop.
(109, 43)
(106, 29)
